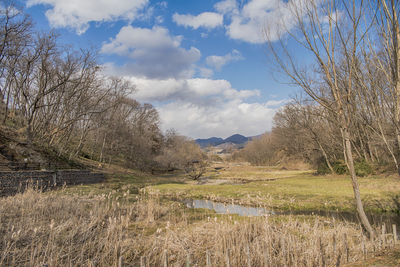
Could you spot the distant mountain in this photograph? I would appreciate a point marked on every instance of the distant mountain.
(216, 141)
(236, 139)
(213, 141)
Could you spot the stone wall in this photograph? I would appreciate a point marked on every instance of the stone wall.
(12, 182)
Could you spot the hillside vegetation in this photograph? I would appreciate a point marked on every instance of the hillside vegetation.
(55, 99)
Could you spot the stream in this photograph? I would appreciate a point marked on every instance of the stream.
(222, 208)
(226, 208)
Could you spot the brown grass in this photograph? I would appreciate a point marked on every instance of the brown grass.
(66, 230)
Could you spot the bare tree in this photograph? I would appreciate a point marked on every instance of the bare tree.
(259, 151)
(181, 153)
(15, 29)
(330, 32)
(64, 101)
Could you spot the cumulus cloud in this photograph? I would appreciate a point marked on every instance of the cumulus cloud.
(250, 22)
(201, 107)
(154, 53)
(222, 120)
(207, 20)
(218, 62)
(77, 14)
(201, 91)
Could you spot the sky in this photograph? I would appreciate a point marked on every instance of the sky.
(204, 64)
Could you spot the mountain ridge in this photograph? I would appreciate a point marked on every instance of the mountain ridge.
(237, 139)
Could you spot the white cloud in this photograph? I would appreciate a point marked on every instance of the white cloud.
(206, 72)
(206, 92)
(146, 14)
(276, 103)
(77, 14)
(207, 20)
(221, 120)
(204, 107)
(154, 53)
(257, 16)
(227, 6)
(218, 62)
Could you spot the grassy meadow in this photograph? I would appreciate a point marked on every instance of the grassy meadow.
(287, 189)
(136, 219)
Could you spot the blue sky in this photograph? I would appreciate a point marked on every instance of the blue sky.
(203, 64)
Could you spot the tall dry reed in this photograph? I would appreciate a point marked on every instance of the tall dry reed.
(69, 230)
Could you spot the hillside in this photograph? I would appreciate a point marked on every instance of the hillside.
(213, 141)
(16, 153)
(236, 139)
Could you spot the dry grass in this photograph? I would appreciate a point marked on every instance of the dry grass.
(74, 230)
(384, 259)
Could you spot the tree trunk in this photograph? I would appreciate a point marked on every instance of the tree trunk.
(102, 149)
(29, 134)
(326, 157)
(81, 142)
(350, 164)
(396, 72)
(396, 163)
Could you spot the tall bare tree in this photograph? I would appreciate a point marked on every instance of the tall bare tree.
(15, 29)
(330, 33)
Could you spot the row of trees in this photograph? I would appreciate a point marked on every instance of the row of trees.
(63, 101)
(304, 133)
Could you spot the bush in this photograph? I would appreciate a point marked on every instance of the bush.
(339, 167)
(196, 169)
(181, 153)
(323, 168)
(362, 168)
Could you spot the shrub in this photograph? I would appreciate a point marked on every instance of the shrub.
(362, 168)
(323, 168)
(196, 169)
(339, 167)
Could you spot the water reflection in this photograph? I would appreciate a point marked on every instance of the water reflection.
(226, 208)
(375, 218)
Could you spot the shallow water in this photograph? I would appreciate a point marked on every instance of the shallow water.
(226, 208)
(375, 218)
